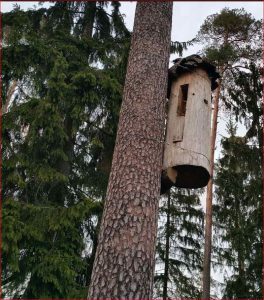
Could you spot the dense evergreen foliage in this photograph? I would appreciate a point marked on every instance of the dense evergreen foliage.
(179, 245)
(63, 72)
(238, 215)
(238, 210)
(230, 36)
(66, 66)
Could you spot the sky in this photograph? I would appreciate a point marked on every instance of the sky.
(187, 15)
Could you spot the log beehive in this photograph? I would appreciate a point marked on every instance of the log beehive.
(186, 161)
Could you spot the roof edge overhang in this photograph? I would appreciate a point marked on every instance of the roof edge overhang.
(190, 63)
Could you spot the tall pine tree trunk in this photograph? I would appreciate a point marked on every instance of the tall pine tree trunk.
(209, 195)
(124, 263)
(209, 198)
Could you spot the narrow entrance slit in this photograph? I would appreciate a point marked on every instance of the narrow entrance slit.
(183, 97)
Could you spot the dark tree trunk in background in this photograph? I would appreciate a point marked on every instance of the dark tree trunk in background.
(92, 257)
(90, 11)
(124, 263)
(167, 251)
(65, 165)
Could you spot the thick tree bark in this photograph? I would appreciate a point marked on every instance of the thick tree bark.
(209, 197)
(124, 263)
(167, 251)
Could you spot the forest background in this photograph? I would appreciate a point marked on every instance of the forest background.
(193, 11)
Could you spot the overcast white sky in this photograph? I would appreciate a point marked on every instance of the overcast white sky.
(188, 16)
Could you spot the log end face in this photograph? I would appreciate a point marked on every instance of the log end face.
(191, 177)
(188, 176)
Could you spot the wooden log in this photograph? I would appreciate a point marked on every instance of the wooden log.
(187, 143)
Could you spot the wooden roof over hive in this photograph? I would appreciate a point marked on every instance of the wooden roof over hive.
(188, 64)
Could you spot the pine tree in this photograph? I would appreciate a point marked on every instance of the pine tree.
(232, 37)
(124, 263)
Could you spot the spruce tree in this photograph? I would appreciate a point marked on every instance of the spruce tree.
(179, 245)
(238, 210)
(59, 123)
(238, 215)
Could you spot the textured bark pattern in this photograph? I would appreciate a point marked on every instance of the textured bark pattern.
(124, 263)
(209, 198)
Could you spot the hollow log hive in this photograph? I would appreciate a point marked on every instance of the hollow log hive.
(186, 161)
